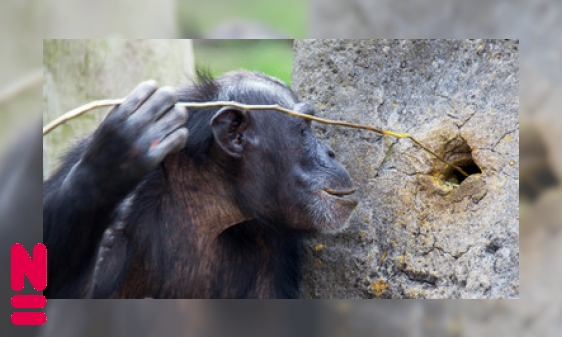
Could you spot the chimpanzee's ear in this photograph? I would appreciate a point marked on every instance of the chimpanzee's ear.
(228, 126)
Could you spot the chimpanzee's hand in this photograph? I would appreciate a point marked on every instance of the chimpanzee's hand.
(136, 136)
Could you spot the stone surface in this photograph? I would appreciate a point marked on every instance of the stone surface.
(415, 233)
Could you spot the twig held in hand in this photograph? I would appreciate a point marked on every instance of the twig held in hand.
(101, 103)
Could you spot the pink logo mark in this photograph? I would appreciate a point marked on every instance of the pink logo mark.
(21, 264)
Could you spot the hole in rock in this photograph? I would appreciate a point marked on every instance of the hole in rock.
(457, 152)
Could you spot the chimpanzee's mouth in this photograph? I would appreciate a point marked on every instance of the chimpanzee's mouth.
(339, 193)
(333, 210)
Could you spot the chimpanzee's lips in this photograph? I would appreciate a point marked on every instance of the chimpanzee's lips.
(339, 193)
(336, 209)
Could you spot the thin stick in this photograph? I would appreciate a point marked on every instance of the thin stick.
(97, 104)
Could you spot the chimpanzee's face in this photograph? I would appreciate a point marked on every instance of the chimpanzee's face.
(296, 177)
(284, 174)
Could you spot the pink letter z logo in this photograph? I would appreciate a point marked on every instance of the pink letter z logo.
(36, 271)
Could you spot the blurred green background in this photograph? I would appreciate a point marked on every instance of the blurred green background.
(273, 57)
(274, 20)
(196, 18)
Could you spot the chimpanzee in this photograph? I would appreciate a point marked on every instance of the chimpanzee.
(139, 209)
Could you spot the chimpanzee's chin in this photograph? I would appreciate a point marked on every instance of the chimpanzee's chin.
(334, 213)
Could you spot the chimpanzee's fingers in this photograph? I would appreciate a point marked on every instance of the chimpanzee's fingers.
(169, 122)
(161, 129)
(136, 98)
(160, 102)
(172, 143)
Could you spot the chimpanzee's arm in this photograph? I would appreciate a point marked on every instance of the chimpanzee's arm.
(80, 199)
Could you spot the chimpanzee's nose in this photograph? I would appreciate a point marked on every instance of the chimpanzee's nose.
(330, 152)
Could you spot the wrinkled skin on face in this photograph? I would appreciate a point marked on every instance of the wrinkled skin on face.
(315, 185)
(295, 179)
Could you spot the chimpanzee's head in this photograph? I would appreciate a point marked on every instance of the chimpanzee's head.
(281, 173)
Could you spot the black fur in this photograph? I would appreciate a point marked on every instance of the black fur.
(115, 226)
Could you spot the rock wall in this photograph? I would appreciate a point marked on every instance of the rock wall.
(421, 230)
